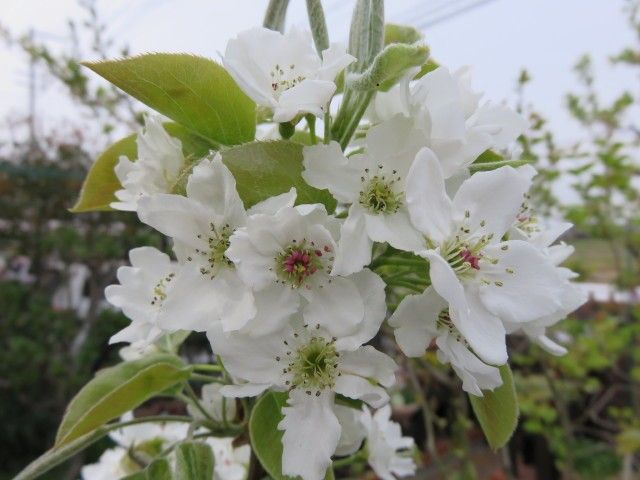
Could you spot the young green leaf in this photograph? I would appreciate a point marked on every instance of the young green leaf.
(157, 470)
(116, 390)
(194, 461)
(497, 411)
(388, 67)
(101, 182)
(194, 91)
(394, 33)
(266, 439)
(264, 169)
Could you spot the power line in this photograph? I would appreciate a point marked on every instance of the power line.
(456, 13)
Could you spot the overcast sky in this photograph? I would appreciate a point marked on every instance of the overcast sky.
(497, 38)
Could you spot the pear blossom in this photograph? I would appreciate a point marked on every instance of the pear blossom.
(140, 433)
(485, 280)
(527, 227)
(288, 258)
(201, 224)
(157, 169)
(214, 404)
(448, 112)
(421, 319)
(312, 365)
(388, 451)
(143, 290)
(283, 71)
(110, 465)
(374, 185)
(231, 463)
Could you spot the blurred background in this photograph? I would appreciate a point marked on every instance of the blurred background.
(571, 67)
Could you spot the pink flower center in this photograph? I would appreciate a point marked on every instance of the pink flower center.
(299, 261)
(471, 259)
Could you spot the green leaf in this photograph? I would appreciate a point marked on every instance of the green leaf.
(194, 91)
(157, 470)
(497, 411)
(394, 33)
(264, 169)
(101, 182)
(389, 66)
(194, 461)
(116, 390)
(266, 439)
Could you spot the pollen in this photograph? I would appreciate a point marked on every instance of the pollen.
(379, 194)
(299, 261)
(314, 365)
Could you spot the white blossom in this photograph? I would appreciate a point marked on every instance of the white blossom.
(421, 319)
(110, 465)
(214, 404)
(527, 227)
(373, 183)
(143, 290)
(449, 114)
(157, 169)
(485, 280)
(208, 289)
(283, 71)
(313, 366)
(231, 463)
(288, 259)
(389, 453)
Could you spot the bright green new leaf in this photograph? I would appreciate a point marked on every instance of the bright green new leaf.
(389, 66)
(101, 182)
(497, 412)
(194, 461)
(157, 470)
(116, 390)
(266, 439)
(194, 91)
(394, 33)
(264, 169)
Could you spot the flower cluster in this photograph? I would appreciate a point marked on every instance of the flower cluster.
(287, 292)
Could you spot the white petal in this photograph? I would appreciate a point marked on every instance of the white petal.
(334, 59)
(483, 330)
(394, 144)
(353, 432)
(550, 346)
(359, 388)
(354, 246)
(253, 266)
(415, 321)
(157, 147)
(370, 363)
(395, 229)
(371, 289)
(245, 358)
(427, 200)
(309, 96)
(475, 375)
(244, 390)
(503, 124)
(212, 184)
(492, 199)
(274, 307)
(446, 283)
(337, 306)
(311, 435)
(532, 291)
(175, 216)
(325, 166)
(272, 205)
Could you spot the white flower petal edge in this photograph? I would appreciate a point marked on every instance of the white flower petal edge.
(420, 319)
(309, 363)
(160, 161)
(143, 289)
(389, 452)
(283, 71)
(484, 280)
(374, 185)
(447, 111)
